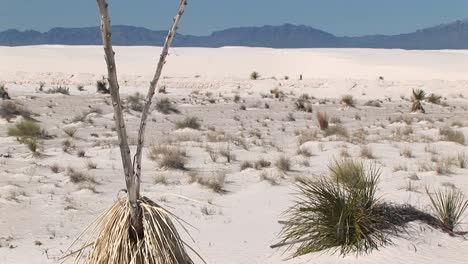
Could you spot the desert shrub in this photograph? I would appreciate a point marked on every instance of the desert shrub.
(449, 207)
(304, 152)
(188, 122)
(322, 119)
(268, 177)
(254, 75)
(328, 216)
(135, 102)
(67, 144)
(165, 106)
(348, 100)
(10, 110)
(336, 130)
(162, 89)
(283, 164)
(59, 89)
(434, 99)
(80, 88)
(79, 177)
(216, 182)
(27, 129)
(277, 93)
(3, 93)
(373, 103)
(227, 153)
(303, 105)
(101, 86)
(262, 163)
(290, 117)
(55, 168)
(462, 160)
(366, 152)
(246, 165)
(81, 153)
(306, 136)
(449, 134)
(406, 152)
(417, 97)
(168, 156)
(91, 165)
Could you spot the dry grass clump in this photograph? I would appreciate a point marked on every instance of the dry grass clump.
(449, 207)
(67, 145)
(55, 168)
(283, 164)
(348, 100)
(443, 166)
(268, 177)
(168, 156)
(165, 106)
(227, 153)
(135, 102)
(59, 89)
(366, 152)
(246, 165)
(70, 131)
(448, 134)
(216, 182)
(10, 110)
(160, 179)
(262, 163)
(304, 152)
(303, 105)
(462, 160)
(306, 136)
(112, 239)
(338, 130)
(188, 122)
(323, 120)
(91, 165)
(373, 103)
(79, 177)
(406, 152)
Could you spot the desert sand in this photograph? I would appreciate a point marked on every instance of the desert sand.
(42, 212)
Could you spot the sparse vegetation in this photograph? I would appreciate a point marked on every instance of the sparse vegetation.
(283, 164)
(135, 102)
(418, 96)
(434, 99)
(167, 156)
(215, 182)
(322, 119)
(165, 106)
(26, 130)
(449, 207)
(70, 131)
(4, 93)
(448, 134)
(330, 216)
(348, 100)
(254, 75)
(11, 109)
(59, 89)
(188, 122)
(101, 86)
(303, 105)
(366, 152)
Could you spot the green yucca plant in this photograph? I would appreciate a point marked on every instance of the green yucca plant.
(329, 215)
(449, 207)
(418, 96)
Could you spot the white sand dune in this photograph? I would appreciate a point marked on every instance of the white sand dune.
(42, 212)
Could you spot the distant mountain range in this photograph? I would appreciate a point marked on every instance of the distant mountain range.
(447, 36)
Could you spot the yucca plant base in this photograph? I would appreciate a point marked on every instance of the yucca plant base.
(114, 242)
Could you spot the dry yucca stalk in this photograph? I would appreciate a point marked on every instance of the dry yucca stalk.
(134, 230)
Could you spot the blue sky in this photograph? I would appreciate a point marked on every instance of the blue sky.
(340, 17)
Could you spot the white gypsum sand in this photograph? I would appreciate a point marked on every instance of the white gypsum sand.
(43, 212)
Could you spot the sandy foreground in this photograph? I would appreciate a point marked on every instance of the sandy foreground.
(41, 212)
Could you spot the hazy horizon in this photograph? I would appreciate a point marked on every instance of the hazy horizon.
(360, 17)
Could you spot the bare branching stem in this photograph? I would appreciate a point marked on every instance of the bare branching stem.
(132, 170)
(152, 87)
